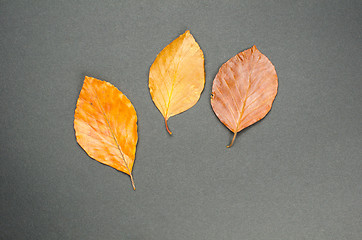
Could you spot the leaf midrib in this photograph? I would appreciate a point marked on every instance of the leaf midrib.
(175, 76)
(246, 98)
(110, 128)
(243, 107)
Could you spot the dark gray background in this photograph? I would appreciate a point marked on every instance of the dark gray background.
(294, 175)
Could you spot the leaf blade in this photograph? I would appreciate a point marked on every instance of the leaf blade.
(243, 90)
(105, 124)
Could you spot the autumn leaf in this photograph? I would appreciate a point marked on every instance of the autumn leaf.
(177, 76)
(105, 124)
(243, 90)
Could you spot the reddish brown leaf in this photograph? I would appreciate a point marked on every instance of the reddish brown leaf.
(105, 124)
(243, 90)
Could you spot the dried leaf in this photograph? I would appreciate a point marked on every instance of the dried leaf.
(105, 124)
(177, 76)
(243, 90)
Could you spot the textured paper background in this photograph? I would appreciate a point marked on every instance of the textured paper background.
(294, 175)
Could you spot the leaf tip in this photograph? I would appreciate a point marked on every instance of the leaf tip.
(254, 49)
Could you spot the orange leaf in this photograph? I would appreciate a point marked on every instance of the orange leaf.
(105, 124)
(243, 90)
(177, 76)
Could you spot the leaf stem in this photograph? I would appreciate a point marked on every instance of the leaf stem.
(232, 141)
(134, 187)
(168, 130)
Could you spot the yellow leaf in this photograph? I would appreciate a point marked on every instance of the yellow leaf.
(105, 124)
(177, 76)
